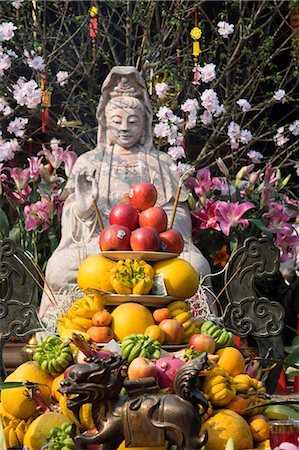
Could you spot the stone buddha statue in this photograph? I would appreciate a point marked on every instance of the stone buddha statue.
(124, 155)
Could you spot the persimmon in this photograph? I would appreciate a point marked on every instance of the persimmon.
(161, 314)
(231, 360)
(101, 318)
(100, 334)
(155, 332)
(238, 404)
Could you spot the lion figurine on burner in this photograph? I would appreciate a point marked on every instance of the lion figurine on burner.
(145, 417)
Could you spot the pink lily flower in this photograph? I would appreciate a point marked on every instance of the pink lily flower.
(208, 215)
(202, 183)
(37, 217)
(220, 184)
(3, 177)
(229, 215)
(69, 159)
(20, 176)
(269, 180)
(34, 164)
(278, 217)
(20, 197)
(286, 243)
(55, 157)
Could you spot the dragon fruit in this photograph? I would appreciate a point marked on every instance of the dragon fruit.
(167, 369)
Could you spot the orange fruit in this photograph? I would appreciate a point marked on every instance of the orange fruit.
(101, 318)
(231, 360)
(100, 334)
(56, 385)
(155, 332)
(161, 314)
(180, 277)
(259, 428)
(94, 274)
(130, 318)
(238, 404)
(223, 425)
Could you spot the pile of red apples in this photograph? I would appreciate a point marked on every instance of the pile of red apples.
(140, 225)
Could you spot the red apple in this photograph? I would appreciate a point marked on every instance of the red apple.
(145, 240)
(141, 368)
(124, 214)
(115, 237)
(172, 241)
(173, 330)
(202, 343)
(154, 217)
(143, 195)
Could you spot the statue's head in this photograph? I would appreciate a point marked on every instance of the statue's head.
(124, 113)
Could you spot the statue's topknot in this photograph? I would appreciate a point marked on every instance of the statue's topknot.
(124, 89)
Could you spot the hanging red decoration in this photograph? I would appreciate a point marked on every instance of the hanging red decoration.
(46, 103)
(93, 29)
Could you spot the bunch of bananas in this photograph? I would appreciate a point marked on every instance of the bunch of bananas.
(78, 316)
(14, 428)
(132, 277)
(60, 438)
(222, 337)
(53, 355)
(140, 345)
(180, 311)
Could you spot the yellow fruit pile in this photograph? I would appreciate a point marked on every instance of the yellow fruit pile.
(180, 311)
(78, 316)
(14, 428)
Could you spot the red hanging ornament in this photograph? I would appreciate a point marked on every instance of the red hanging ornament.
(46, 103)
(93, 29)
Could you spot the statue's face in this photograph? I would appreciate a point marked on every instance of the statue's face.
(124, 126)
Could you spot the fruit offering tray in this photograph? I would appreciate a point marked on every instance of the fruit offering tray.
(116, 255)
(146, 300)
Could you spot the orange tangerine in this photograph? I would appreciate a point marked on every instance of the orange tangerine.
(231, 360)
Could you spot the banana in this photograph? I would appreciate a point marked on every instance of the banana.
(183, 317)
(20, 431)
(178, 304)
(13, 441)
(135, 352)
(187, 324)
(127, 349)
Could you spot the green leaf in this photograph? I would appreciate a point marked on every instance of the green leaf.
(259, 224)
(4, 224)
(11, 385)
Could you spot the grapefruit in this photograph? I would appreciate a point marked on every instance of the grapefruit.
(180, 277)
(130, 318)
(23, 407)
(40, 429)
(223, 425)
(94, 274)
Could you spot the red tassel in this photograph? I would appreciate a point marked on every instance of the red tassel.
(282, 384)
(93, 27)
(237, 340)
(45, 119)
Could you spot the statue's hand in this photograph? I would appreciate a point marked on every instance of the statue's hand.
(86, 192)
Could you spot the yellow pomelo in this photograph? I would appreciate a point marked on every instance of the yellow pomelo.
(40, 429)
(123, 447)
(223, 425)
(22, 406)
(94, 273)
(180, 277)
(130, 318)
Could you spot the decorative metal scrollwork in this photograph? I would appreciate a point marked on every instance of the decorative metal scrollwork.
(18, 314)
(248, 314)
